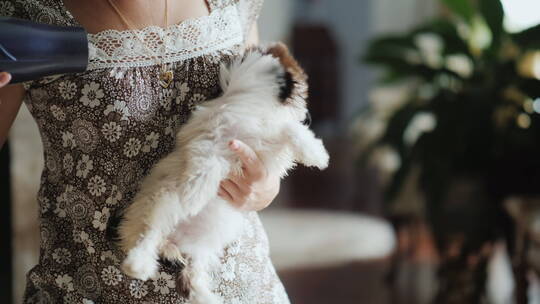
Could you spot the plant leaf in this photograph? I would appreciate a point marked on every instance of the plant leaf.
(462, 8)
(529, 38)
(493, 13)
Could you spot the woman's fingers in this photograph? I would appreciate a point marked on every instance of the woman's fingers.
(253, 167)
(232, 188)
(4, 78)
(225, 195)
(242, 183)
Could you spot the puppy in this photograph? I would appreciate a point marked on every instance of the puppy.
(177, 213)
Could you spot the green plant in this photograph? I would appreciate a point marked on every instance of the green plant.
(471, 114)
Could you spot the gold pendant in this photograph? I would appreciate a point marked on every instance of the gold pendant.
(166, 78)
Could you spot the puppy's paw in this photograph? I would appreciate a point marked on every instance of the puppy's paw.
(140, 265)
(170, 251)
(316, 156)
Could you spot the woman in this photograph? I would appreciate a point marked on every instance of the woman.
(150, 63)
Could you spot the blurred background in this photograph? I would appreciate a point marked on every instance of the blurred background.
(430, 111)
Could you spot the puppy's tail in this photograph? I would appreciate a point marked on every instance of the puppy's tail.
(183, 282)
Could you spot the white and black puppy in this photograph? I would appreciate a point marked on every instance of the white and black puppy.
(177, 213)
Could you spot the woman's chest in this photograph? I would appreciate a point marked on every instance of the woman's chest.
(120, 113)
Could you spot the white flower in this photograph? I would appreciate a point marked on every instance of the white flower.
(115, 197)
(111, 131)
(44, 204)
(165, 98)
(196, 98)
(108, 255)
(111, 276)
(83, 237)
(421, 123)
(77, 236)
(84, 166)
(430, 46)
(228, 270)
(60, 209)
(151, 142)
(169, 130)
(163, 282)
(460, 64)
(183, 89)
(62, 200)
(68, 140)
(117, 73)
(101, 218)
(92, 95)
(58, 113)
(70, 298)
(65, 282)
(138, 289)
(120, 107)
(234, 248)
(86, 301)
(132, 147)
(7, 8)
(244, 271)
(96, 186)
(68, 163)
(62, 256)
(67, 89)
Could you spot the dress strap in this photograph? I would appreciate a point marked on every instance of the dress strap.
(220, 4)
(248, 11)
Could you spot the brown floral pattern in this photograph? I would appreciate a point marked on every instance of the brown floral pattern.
(102, 130)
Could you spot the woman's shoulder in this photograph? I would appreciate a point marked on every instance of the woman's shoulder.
(248, 11)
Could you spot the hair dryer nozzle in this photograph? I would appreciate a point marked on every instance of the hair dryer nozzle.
(30, 50)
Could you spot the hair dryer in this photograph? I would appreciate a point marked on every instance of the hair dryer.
(30, 50)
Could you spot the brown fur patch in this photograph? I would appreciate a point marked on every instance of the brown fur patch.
(299, 91)
(183, 284)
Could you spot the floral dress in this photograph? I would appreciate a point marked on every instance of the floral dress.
(103, 130)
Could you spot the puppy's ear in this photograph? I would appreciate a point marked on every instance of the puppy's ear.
(293, 83)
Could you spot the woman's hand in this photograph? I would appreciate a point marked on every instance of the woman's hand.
(4, 79)
(257, 189)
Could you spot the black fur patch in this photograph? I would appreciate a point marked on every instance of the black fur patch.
(307, 121)
(111, 232)
(286, 86)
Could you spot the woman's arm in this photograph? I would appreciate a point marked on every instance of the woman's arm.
(10, 102)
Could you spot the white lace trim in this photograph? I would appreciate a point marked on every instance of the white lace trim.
(221, 29)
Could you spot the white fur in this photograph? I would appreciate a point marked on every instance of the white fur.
(177, 213)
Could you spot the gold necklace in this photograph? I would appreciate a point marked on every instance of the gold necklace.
(166, 75)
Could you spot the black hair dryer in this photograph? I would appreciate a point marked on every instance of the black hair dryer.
(30, 50)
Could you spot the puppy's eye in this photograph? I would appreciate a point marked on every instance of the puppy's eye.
(307, 121)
